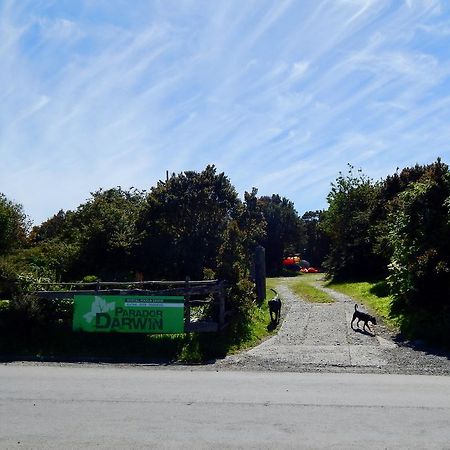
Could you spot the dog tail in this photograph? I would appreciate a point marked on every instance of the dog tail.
(273, 290)
(356, 307)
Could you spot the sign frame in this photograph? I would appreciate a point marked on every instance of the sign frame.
(111, 313)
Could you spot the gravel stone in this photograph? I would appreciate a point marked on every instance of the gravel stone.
(317, 337)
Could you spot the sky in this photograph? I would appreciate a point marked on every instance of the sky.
(280, 95)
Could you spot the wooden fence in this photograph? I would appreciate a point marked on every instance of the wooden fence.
(197, 295)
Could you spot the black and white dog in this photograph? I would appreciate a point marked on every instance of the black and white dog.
(275, 307)
(364, 317)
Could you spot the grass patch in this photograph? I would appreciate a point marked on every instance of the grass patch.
(303, 286)
(372, 294)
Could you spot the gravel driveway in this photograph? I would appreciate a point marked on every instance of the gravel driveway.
(318, 337)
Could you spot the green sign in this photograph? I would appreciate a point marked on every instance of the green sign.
(128, 314)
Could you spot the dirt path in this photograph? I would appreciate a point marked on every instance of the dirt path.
(318, 337)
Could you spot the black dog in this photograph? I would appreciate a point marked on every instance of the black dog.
(366, 318)
(275, 307)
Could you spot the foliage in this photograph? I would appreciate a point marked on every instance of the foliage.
(107, 234)
(420, 241)
(390, 189)
(50, 229)
(252, 222)
(98, 238)
(400, 224)
(20, 278)
(194, 224)
(14, 225)
(183, 223)
(285, 231)
(317, 242)
(348, 222)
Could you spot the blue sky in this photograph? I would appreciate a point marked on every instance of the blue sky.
(279, 95)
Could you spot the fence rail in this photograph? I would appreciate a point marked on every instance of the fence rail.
(196, 294)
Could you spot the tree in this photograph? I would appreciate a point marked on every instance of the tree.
(99, 238)
(183, 224)
(348, 223)
(420, 241)
(252, 223)
(284, 232)
(50, 229)
(105, 230)
(14, 225)
(390, 189)
(420, 266)
(317, 242)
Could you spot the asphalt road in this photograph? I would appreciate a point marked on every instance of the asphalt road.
(79, 406)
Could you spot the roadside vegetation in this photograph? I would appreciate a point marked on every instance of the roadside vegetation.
(41, 337)
(396, 231)
(193, 224)
(386, 243)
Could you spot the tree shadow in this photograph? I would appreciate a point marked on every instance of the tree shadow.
(421, 345)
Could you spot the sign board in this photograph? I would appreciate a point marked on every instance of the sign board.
(128, 314)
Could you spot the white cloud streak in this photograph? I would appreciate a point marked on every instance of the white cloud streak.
(279, 95)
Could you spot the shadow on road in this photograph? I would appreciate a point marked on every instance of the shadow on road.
(421, 346)
(366, 333)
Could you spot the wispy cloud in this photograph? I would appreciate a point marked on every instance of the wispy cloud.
(278, 94)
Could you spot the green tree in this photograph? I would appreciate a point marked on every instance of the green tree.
(50, 229)
(348, 223)
(420, 244)
(284, 232)
(105, 230)
(252, 223)
(420, 240)
(390, 189)
(183, 224)
(317, 242)
(99, 238)
(14, 225)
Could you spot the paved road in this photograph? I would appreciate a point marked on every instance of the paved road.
(108, 407)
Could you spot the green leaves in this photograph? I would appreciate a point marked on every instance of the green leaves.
(285, 231)
(347, 222)
(14, 225)
(420, 240)
(195, 221)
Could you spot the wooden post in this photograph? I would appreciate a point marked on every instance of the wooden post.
(260, 273)
(221, 306)
(187, 306)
